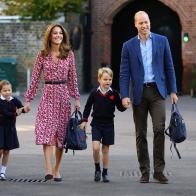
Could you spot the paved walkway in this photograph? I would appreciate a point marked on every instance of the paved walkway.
(26, 168)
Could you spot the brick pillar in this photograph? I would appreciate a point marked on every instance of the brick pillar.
(107, 44)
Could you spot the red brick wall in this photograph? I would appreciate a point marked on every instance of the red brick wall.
(102, 16)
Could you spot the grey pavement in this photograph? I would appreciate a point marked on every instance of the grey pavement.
(26, 167)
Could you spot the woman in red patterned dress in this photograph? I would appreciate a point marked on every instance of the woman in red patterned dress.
(57, 63)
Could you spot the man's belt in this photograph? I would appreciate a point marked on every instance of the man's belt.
(150, 84)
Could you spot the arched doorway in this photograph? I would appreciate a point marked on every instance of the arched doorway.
(163, 21)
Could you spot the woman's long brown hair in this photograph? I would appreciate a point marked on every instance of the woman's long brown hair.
(65, 45)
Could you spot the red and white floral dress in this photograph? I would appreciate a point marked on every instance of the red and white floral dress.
(55, 106)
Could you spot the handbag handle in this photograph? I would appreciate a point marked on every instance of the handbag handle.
(174, 108)
(77, 114)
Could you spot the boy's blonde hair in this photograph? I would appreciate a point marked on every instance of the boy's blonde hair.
(4, 82)
(103, 70)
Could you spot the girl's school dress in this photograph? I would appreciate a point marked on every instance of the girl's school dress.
(8, 134)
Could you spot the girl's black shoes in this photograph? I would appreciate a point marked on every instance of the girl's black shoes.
(3, 177)
(48, 177)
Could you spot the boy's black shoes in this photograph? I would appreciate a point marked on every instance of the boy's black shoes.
(97, 177)
(144, 178)
(105, 178)
(159, 176)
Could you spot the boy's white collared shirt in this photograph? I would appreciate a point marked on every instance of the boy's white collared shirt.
(104, 92)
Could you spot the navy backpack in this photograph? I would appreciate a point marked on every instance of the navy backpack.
(176, 129)
(75, 138)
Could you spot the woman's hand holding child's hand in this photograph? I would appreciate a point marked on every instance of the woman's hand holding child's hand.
(22, 110)
(27, 107)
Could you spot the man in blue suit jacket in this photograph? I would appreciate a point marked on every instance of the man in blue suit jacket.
(147, 75)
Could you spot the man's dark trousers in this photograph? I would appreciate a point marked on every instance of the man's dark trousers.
(153, 104)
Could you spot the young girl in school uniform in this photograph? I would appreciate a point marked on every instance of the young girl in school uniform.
(10, 107)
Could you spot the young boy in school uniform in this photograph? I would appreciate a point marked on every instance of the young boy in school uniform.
(103, 100)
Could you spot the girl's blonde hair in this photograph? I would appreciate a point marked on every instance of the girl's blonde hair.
(65, 45)
(3, 83)
(103, 70)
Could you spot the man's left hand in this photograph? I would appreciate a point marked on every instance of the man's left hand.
(174, 98)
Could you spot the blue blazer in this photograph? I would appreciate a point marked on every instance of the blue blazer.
(132, 70)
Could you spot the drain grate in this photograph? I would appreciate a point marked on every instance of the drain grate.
(137, 173)
(26, 180)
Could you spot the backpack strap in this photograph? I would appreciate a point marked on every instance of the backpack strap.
(167, 132)
(179, 156)
(173, 109)
(176, 149)
(66, 151)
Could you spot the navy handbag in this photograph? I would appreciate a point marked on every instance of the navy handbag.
(75, 138)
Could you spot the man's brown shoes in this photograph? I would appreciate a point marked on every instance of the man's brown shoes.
(159, 177)
(144, 178)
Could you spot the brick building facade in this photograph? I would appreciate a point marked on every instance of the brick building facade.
(104, 15)
(104, 29)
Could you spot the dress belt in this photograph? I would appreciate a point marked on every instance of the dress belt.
(55, 82)
(150, 84)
